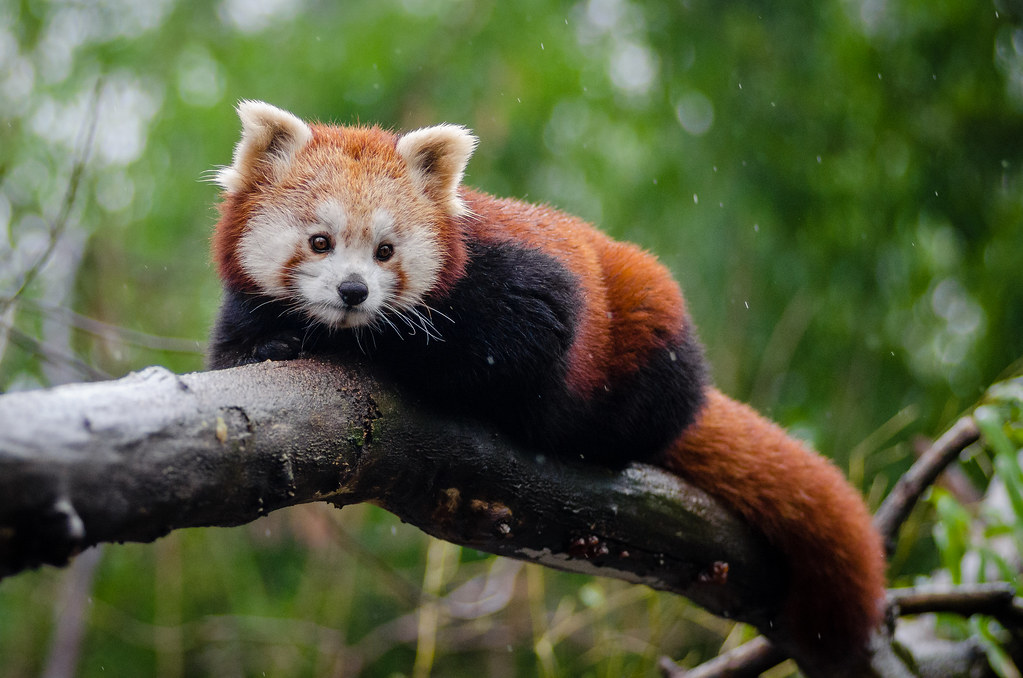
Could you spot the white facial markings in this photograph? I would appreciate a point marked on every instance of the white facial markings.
(420, 260)
(270, 241)
(275, 251)
(319, 276)
(332, 216)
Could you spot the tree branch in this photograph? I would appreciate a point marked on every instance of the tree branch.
(903, 497)
(132, 459)
(746, 661)
(997, 599)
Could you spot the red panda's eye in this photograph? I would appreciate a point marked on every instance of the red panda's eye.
(320, 243)
(385, 252)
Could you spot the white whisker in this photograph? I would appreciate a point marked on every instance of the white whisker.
(357, 333)
(392, 325)
(427, 325)
(430, 310)
(210, 176)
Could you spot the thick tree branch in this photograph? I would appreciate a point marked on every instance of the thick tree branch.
(132, 459)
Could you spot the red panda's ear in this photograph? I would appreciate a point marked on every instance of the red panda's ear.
(437, 157)
(270, 139)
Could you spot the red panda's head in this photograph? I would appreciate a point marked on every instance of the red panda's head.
(344, 224)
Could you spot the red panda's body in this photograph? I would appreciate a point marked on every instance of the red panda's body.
(528, 317)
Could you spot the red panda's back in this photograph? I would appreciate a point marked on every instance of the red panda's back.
(631, 305)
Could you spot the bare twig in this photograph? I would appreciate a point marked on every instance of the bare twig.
(54, 354)
(59, 224)
(997, 599)
(57, 228)
(116, 333)
(746, 661)
(965, 600)
(903, 497)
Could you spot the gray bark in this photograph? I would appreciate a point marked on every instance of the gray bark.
(132, 459)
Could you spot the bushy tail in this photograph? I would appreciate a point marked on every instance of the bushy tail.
(806, 508)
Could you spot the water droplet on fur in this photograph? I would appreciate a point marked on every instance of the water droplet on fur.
(490, 360)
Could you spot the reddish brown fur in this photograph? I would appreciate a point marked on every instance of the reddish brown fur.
(631, 306)
(235, 212)
(373, 155)
(365, 156)
(801, 502)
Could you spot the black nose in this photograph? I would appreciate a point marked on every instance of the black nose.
(353, 292)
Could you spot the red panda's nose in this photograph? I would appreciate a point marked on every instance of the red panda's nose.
(353, 292)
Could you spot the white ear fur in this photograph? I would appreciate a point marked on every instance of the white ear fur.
(437, 157)
(270, 139)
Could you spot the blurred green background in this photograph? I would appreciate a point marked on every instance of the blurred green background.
(837, 186)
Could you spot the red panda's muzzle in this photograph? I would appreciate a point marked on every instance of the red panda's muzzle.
(353, 291)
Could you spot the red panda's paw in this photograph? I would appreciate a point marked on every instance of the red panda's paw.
(223, 355)
(279, 347)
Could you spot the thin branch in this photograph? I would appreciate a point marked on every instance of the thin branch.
(996, 599)
(110, 332)
(907, 491)
(53, 354)
(8, 301)
(965, 600)
(59, 224)
(748, 660)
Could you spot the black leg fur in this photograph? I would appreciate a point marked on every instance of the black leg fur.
(254, 328)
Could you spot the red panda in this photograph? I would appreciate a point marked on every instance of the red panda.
(529, 318)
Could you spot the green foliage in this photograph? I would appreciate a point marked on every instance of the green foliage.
(983, 543)
(837, 185)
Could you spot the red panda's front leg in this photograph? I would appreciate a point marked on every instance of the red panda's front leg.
(499, 341)
(254, 328)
